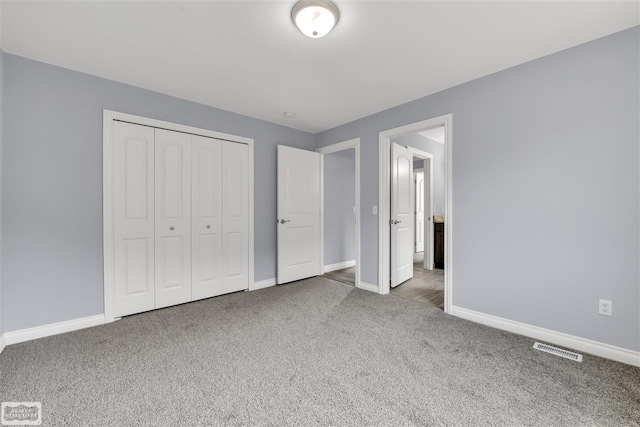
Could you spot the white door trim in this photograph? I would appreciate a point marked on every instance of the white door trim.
(107, 191)
(384, 194)
(428, 263)
(340, 146)
(420, 154)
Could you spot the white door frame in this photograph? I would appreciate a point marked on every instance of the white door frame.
(426, 157)
(107, 191)
(428, 204)
(341, 146)
(384, 195)
(416, 172)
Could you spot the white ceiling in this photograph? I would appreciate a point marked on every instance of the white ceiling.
(248, 57)
(437, 134)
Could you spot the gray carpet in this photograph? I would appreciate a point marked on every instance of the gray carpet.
(315, 352)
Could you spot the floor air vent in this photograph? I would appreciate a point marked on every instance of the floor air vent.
(558, 352)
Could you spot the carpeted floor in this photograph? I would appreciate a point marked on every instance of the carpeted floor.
(314, 352)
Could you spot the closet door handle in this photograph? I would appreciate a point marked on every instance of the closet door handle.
(171, 228)
(208, 226)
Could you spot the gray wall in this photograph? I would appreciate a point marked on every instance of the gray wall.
(423, 143)
(339, 201)
(545, 188)
(1, 198)
(52, 184)
(545, 184)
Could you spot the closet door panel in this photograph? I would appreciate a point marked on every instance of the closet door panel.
(235, 217)
(172, 217)
(206, 214)
(133, 204)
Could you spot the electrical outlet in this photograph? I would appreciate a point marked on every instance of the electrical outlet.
(605, 307)
(374, 210)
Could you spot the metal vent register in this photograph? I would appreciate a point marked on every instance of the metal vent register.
(558, 352)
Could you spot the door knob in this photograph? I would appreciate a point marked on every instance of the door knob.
(171, 228)
(208, 226)
(394, 222)
(282, 221)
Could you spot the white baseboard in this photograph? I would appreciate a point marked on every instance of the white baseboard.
(339, 266)
(2, 343)
(368, 287)
(52, 329)
(262, 284)
(573, 342)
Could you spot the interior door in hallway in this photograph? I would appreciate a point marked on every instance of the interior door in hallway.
(299, 243)
(420, 232)
(402, 214)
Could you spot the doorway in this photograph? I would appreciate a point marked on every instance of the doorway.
(340, 166)
(426, 284)
(396, 249)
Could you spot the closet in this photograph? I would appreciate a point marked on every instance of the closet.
(180, 217)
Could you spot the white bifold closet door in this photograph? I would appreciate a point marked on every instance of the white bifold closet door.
(181, 217)
(206, 217)
(235, 217)
(220, 222)
(133, 217)
(173, 217)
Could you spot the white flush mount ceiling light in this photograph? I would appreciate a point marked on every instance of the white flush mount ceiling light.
(315, 18)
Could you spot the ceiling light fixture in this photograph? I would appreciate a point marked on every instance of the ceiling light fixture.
(315, 18)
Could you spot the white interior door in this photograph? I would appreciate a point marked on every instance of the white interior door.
(133, 213)
(420, 193)
(206, 217)
(298, 214)
(235, 217)
(402, 208)
(173, 217)
(428, 214)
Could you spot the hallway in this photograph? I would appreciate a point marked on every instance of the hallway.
(426, 286)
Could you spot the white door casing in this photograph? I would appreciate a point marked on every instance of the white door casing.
(172, 217)
(352, 144)
(384, 199)
(420, 216)
(402, 208)
(206, 217)
(235, 216)
(133, 218)
(428, 209)
(299, 194)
